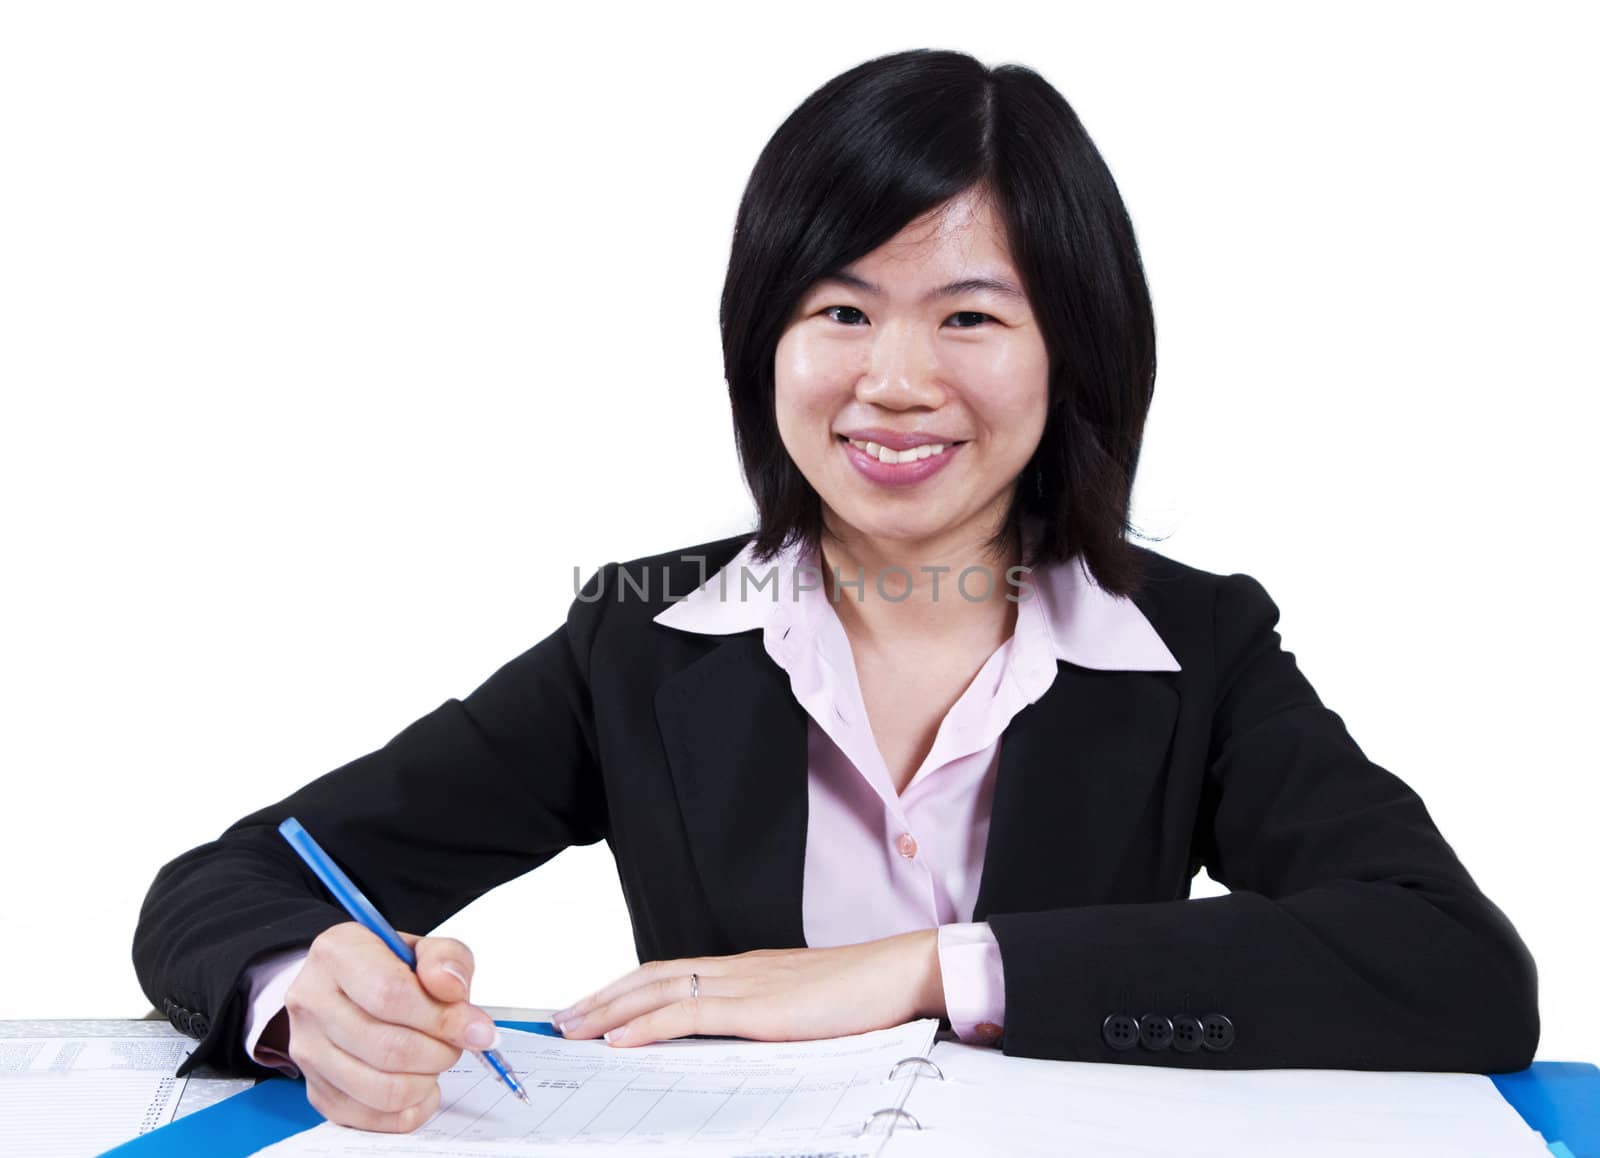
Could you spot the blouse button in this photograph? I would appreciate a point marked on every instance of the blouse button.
(907, 844)
(987, 1031)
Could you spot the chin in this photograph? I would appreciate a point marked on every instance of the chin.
(891, 526)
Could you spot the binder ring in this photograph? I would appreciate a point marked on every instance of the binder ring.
(898, 1113)
(895, 1071)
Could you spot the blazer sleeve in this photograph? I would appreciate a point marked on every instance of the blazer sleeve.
(476, 792)
(1353, 938)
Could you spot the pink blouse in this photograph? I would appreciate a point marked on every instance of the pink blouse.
(909, 860)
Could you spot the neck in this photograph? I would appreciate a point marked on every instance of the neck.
(898, 590)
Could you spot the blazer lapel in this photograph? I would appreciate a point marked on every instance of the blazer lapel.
(735, 740)
(1078, 792)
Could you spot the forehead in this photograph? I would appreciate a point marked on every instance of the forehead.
(960, 244)
(964, 231)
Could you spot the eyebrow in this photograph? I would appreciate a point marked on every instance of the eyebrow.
(997, 285)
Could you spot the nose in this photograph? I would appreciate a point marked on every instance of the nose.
(902, 371)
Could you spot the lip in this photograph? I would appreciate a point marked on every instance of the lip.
(897, 440)
(898, 474)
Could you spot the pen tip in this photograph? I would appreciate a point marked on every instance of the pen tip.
(522, 1096)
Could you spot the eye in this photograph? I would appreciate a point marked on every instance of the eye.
(975, 317)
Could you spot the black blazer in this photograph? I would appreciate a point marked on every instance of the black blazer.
(1352, 938)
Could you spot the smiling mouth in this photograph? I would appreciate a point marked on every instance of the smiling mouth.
(893, 457)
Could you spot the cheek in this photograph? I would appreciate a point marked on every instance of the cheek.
(1009, 387)
(809, 380)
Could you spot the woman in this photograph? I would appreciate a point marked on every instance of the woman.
(934, 740)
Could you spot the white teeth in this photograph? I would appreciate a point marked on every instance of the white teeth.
(885, 454)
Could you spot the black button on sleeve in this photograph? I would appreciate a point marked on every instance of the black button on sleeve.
(1217, 1032)
(1155, 1031)
(1120, 1031)
(199, 1025)
(1186, 1033)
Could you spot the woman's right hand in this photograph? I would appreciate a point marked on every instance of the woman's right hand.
(371, 1036)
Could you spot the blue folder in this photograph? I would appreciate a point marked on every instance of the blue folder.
(1561, 1100)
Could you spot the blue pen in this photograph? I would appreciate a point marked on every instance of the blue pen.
(360, 909)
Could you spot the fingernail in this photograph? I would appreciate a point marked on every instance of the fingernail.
(569, 1025)
(480, 1034)
(613, 1036)
(560, 1016)
(455, 971)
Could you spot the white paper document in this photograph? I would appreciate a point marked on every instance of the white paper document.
(75, 1097)
(729, 1098)
(989, 1104)
(692, 1096)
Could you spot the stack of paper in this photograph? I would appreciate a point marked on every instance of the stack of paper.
(72, 1097)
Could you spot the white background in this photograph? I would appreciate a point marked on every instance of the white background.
(333, 337)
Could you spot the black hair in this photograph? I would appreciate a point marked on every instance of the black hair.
(869, 152)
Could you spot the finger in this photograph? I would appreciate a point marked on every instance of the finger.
(445, 967)
(337, 1106)
(387, 1093)
(381, 1044)
(718, 1016)
(646, 974)
(317, 1005)
(634, 1003)
(371, 975)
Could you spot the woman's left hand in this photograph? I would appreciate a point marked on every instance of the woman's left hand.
(768, 994)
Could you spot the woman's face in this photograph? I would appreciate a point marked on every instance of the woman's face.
(928, 339)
